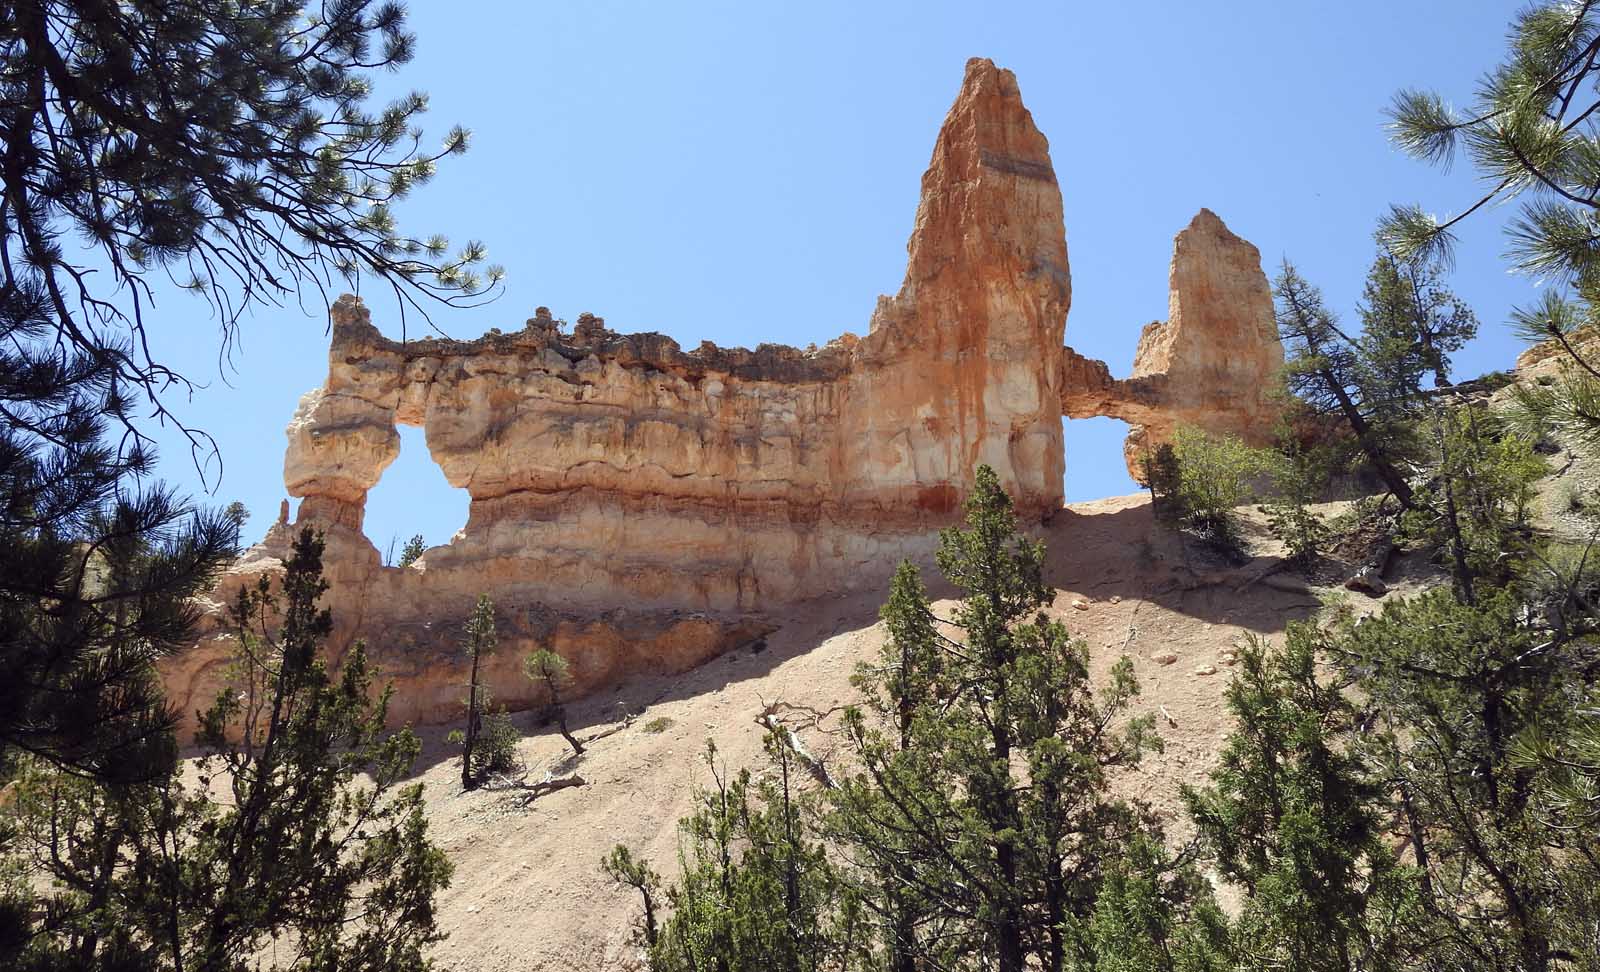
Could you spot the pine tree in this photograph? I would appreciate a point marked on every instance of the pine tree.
(985, 760)
(1325, 368)
(481, 642)
(317, 845)
(1530, 134)
(1476, 505)
(97, 568)
(1155, 914)
(757, 891)
(1293, 818)
(1162, 477)
(893, 691)
(551, 672)
(412, 551)
(627, 869)
(1410, 325)
(1455, 694)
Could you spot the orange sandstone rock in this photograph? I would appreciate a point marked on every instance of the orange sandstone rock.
(1213, 363)
(636, 506)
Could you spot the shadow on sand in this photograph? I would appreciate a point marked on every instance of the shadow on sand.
(1110, 554)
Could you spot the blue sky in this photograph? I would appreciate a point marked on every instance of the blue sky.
(749, 172)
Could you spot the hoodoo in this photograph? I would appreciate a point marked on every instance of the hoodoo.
(636, 506)
(1211, 364)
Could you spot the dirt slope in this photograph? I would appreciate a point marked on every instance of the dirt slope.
(528, 893)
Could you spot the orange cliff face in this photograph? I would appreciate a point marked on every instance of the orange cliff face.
(635, 506)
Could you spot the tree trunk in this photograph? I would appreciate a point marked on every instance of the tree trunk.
(650, 932)
(1419, 845)
(1458, 551)
(467, 782)
(902, 952)
(1008, 913)
(1358, 424)
(561, 720)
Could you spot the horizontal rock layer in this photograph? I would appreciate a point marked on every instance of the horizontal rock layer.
(695, 488)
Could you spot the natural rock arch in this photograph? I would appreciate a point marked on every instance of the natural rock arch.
(697, 488)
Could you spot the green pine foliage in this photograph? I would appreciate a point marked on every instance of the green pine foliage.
(1529, 134)
(1410, 325)
(299, 832)
(980, 815)
(229, 147)
(1476, 505)
(757, 891)
(1324, 368)
(412, 551)
(626, 869)
(97, 564)
(1154, 914)
(1456, 696)
(1293, 818)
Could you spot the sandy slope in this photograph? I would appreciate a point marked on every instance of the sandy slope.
(527, 892)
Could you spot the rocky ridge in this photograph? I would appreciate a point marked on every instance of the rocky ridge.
(699, 489)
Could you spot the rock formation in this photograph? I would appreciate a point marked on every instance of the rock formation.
(635, 506)
(1211, 364)
(1549, 359)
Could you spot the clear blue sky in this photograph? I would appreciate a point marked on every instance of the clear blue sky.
(747, 172)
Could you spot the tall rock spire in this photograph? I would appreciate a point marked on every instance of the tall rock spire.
(987, 285)
(1219, 348)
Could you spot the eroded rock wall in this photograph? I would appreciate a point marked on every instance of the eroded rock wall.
(636, 506)
(607, 468)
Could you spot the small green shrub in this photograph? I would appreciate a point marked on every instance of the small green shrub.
(495, 750)
(1579, 495)
(1298, 480)
(658, 724)
(1572, 497)
(1209, 476)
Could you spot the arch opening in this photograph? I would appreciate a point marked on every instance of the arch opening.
(411, 499)
(1095, 467)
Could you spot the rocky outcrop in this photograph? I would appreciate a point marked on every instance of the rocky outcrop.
(1551, 358)
(637, 506)
(607, 468)
(1212, 364)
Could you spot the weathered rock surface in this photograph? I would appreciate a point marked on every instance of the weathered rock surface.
(1211, 364)
(1547, 360)
(636, 506)
(607, 469)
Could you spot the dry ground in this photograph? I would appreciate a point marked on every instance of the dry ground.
(528, 893)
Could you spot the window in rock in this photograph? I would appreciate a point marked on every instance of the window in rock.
(413, 498)
(1095, 467)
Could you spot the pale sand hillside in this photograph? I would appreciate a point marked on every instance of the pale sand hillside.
(528, 893)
